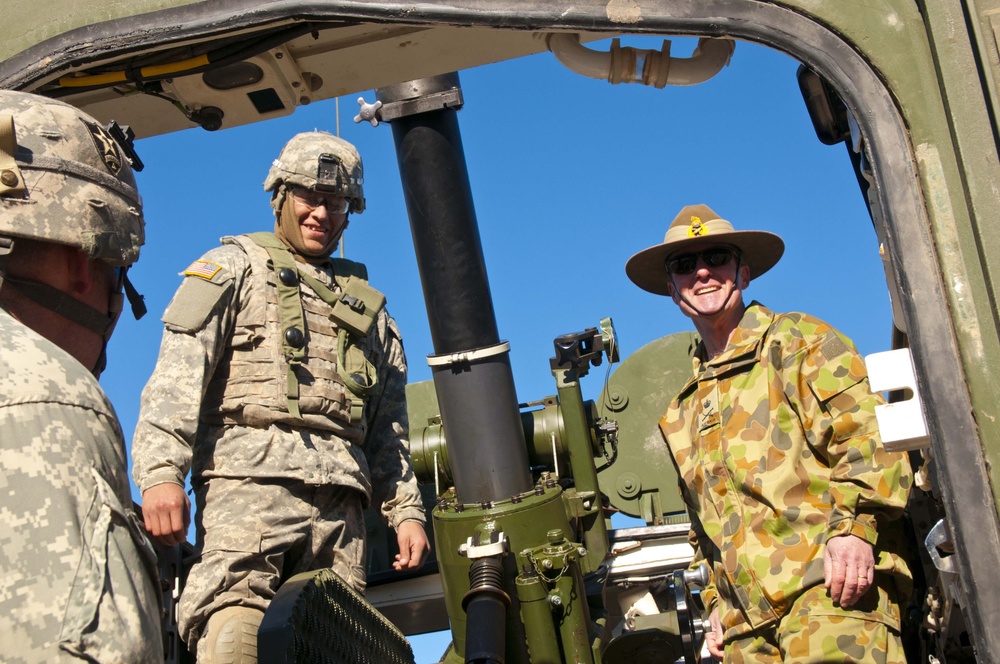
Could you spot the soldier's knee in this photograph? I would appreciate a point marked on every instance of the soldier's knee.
(231, 636)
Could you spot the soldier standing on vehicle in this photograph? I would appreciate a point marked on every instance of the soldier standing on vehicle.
(79, 575)
(280, 385)
(794, 503)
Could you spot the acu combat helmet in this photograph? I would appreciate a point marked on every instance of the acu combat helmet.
(319, 161)
(64, 179)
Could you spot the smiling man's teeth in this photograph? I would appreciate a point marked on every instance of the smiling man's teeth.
(710, 289)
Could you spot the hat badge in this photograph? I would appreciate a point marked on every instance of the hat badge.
(696, 229)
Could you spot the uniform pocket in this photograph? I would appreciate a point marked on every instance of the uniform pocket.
(88, 584)
(112, 608)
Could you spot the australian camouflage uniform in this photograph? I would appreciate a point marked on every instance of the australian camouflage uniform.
(776, 444)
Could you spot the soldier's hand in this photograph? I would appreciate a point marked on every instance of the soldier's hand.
(166, 511)
(413, 545)
(713, 637)
(849, 567)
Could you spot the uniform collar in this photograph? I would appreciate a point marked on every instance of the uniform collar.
(744, 343)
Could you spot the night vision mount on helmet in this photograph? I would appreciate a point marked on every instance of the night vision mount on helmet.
(319, 161)
(57, 164)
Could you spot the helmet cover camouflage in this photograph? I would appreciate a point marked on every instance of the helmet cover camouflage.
(319, 161)
(64, 179)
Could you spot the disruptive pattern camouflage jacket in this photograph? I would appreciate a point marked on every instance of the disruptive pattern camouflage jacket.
(777, 448)
(79, 576)
(182, 427)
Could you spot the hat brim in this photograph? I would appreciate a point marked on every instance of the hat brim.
(759, 250)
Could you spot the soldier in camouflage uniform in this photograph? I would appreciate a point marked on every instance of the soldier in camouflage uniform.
(794, 503)
(280, 385)
(79, 575)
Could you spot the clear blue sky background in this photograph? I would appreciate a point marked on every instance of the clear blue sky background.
(570, 177)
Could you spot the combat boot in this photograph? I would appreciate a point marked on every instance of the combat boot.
(231, 637)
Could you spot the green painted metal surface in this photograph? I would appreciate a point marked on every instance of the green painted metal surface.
(642, 481)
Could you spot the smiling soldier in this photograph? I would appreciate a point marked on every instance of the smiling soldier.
(280, 386)
(794, 503)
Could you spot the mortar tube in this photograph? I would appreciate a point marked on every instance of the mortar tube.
(479, 407)
(486, 605)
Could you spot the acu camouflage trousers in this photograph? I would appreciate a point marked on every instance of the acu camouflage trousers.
(815, 632)
(252, 536)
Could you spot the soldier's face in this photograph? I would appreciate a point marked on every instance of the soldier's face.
(319, 226)
(713, 286)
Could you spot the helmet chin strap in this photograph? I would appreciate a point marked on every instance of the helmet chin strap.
(84, 315)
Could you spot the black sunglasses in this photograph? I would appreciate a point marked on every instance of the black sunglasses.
(688, 263)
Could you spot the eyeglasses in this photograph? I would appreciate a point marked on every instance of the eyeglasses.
(311, 200)
(713, 257)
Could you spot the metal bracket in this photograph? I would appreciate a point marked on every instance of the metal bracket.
(468, 355)
(902, 422)
(496, 547)
(938, 536)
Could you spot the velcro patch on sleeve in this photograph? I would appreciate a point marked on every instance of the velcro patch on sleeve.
(204, 269)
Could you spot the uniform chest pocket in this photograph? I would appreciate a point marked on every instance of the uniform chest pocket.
(244, 338)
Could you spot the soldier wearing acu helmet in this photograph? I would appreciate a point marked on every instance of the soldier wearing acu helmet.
(280, 386)
(79, 575)
(794, 503)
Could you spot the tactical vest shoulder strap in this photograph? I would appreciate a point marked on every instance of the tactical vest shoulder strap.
(293, 321)
(346, 268)
(354, 311)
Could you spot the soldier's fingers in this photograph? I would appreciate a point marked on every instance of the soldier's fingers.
(176, 525)
(713, 637)
(417, 551)
(839, 581)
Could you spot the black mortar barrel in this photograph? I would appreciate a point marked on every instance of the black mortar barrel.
(472, 374)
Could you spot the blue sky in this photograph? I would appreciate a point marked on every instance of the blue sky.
(570, 177)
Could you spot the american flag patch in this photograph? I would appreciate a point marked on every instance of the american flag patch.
(202, 269)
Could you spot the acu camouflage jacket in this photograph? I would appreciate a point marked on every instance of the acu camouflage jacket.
(184, 424)
(777, 449)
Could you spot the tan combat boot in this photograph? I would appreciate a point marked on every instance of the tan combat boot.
(231, 637)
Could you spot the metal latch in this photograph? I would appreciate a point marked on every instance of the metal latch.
(901, 422)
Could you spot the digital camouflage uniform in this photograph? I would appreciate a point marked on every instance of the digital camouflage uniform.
(78, 574)
(79, 579)
(776, 444)
(276, 494)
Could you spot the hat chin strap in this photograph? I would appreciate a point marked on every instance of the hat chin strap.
(732, 290)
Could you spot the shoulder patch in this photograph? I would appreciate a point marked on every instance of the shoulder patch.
(193, 303)
(204, 269)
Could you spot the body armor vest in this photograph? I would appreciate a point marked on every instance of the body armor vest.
(295, 356)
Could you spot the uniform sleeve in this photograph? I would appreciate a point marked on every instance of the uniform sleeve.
(701, 543)
(197, 323)
(394, 486)
(867, 483)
